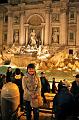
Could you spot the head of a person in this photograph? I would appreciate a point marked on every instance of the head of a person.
(9, 69)
(17, 71)
(67, 84)
(42, 74)
(33, 31)
(77, 78)
(31, 69)
(53, 79)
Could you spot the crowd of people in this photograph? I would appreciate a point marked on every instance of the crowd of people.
(32, 90)
(66, 100)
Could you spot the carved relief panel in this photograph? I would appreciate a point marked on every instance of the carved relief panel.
(55, 17)
(16, 20)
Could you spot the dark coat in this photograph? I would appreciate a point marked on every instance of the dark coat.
(9, 76)
(63, 104)
(45, 85)
(17, 79)
(75, 92)
(75, 89)
(54, 88)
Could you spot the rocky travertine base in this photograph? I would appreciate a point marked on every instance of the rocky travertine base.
(43, 57)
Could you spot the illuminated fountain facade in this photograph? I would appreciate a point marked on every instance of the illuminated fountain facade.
(41, 27)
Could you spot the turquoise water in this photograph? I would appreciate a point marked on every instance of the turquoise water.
(3, 69)
(59, 75)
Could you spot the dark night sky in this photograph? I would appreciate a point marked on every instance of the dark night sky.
(3, 1)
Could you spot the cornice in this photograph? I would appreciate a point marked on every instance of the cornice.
(3, 9)
(1, 16)
(63, 6)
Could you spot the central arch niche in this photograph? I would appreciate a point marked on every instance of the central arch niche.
(35, 20)
(35, 23)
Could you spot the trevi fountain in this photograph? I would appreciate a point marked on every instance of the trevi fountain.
(52, 59)
(43, 57)
(56, 61)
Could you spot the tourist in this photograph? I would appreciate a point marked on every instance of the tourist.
(63, 103)
(2, 80)
(60, 85)
(75, 91)
(54, 88)
(45, 86)
(9, 74)
(17, 79)
(32, 92)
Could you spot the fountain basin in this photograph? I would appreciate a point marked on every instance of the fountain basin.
(22, 60)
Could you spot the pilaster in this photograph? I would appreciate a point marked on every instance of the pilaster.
(1, 28)
(27, 33)
(63, 25)
(21, 41)
(77, 33)
(48, 4)
(47, 28)
(10, 29)
(42, 33)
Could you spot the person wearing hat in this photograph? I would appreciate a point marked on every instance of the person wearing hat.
(63, 103)
(45, 86)
(17, 79)
(75, 92)
(32, 90)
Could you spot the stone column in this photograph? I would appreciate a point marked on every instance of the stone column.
(63, 27)
(77, 33)
(50, 36)
(42, 33)
(47, 28)
(27, 33)
(10, 29)
(1, 28)
(48, 5)
(21, 40)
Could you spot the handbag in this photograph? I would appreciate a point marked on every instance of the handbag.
(40, 101)
(37, 102)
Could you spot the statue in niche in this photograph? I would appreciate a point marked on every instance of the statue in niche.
(33, 38)
(16, 37)
(55, 35)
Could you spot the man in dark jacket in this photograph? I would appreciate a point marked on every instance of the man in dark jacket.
(75, 92)
(45, 86)
(17, 79)
(9, 74)
(63, 104)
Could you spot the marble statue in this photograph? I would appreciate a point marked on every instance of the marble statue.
(55, 35)
(33, 38)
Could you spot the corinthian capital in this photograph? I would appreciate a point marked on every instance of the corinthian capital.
(77, 10)
(10, 14)
(47, 3)
(63, 6)
(1, 16)
(22, 12)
